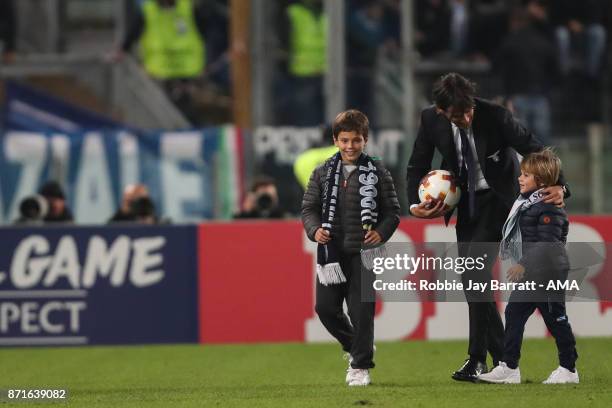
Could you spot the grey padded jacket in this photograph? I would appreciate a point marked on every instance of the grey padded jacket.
(347, 229)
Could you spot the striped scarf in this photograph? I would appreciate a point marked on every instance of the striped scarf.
(328, 260)
(512, 242)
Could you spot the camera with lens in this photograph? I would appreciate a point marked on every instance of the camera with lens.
(143, 210)
(33, 210)
(264, 202)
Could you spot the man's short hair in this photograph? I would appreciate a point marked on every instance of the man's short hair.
(545, 167)
(351, 120)
(454, 90)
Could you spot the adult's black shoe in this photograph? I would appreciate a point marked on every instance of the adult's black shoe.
(470, 370)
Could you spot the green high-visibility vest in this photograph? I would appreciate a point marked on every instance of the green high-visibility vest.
(171, 46)
(308, 42)
(306, 162)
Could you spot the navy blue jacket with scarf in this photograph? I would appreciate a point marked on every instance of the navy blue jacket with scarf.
(544, 230)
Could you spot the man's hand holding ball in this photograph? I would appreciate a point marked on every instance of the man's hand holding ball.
(438, 192)
(429, 209)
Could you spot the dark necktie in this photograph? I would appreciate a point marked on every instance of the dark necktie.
(468, 171)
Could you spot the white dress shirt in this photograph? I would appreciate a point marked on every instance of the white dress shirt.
(481, 183)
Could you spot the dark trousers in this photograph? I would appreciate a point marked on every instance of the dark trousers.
(478, 236)
(357, 335)
(308, 101)
(555, 317)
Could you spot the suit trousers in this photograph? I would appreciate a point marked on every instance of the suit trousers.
(480, 236)
(357, 334)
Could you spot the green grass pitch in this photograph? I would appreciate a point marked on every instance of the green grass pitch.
(410, 374)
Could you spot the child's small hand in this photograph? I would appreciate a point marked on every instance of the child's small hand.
(516, 273)
(372, 237)
(322, 236)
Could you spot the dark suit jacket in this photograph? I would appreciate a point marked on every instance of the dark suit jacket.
(497, 136)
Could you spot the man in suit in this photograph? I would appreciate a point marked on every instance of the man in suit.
(478, 141)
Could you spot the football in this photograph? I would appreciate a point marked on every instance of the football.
(440, 185)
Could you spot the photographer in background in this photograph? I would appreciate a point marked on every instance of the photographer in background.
(261, 201)
(136, 206)
(58, 208)
(143, 210)
(49, 205)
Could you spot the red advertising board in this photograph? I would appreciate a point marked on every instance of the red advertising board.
(256, 284)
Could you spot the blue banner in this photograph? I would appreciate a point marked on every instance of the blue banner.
(30, 109)
(104, 285)
(191, 175)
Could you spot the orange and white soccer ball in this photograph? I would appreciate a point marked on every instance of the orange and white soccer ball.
(440, 185)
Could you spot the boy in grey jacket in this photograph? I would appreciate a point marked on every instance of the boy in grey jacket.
(350, 203)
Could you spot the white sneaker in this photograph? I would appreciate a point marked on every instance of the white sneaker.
(562, 376)
(502, 374)
(358, 377)
(347, 356)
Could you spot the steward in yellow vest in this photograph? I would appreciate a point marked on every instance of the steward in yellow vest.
(303, 36)
(171, 39)
(307, 40)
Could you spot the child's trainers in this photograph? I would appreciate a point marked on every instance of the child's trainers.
(562, 376)
(502, 374)
(358, 377)
(347, 356)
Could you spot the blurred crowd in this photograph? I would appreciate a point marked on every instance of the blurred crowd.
(477, 28)
(533, 47)
(184, 44)
(542, 53)
(8, 30)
